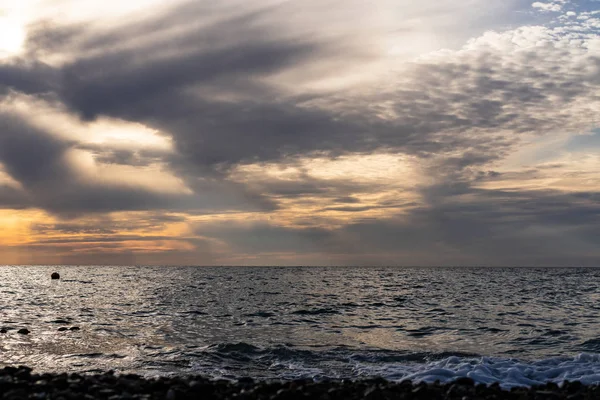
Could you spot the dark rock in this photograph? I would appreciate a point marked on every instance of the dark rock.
(572, 387)
(77, 388)
(60, 382)
(23, 331)
(465, 381)
(171, 394)
(55, 275)
(22, 383)
(456, 390)
(547, 395)
(74, 328)
(62, 328)
(106, 392)
(23, 373)
(8, 370)
(3, 330)
(15, 394)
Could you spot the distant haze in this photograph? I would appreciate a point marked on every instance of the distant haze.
(301, 132)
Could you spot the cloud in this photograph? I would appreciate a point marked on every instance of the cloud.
(218, 102)
(308, 134)
(12, 198)
(27, 76)
(553, 7)
(469, 227)
(49, 176)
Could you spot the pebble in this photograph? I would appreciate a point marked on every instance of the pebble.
(22, 383)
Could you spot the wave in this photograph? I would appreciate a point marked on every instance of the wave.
(287, 362)
(507, 372)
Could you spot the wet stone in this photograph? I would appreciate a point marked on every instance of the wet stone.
(22, 383)
(16, 394)
(465, 381)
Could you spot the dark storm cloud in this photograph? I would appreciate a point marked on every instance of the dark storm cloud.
(176, 93)
(460, 227)
(29, 155)
(11, 197)
(490, 227)
(27, 76)
(204, 86)
(127, 75)
(38, 161)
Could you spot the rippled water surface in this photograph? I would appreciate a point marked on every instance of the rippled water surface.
(288, 322)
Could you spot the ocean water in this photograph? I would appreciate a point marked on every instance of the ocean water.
(517, 326)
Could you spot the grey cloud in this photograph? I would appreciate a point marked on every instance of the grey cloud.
(138, 158)
(498, 228)
(192, 45)
(265, 238)
(71, 229)
(11, 197)
(208, 131)
(456, 226)
(30, 155)
(211, 87)
(110, 239)
(27, 76)
(389, 206)
(105, 225)
(347, 199)
(490, 228)
(37, 161)
(213, 100)
(306, 185)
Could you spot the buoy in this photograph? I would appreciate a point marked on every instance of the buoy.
(55, 275)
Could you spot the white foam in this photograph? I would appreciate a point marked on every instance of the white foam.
(508, 372)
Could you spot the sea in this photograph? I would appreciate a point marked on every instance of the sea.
(515, 326)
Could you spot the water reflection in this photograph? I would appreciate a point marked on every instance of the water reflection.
(166, 319)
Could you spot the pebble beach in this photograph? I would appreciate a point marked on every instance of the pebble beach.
(22, 382)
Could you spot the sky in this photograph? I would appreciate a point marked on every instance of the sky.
(300, 132)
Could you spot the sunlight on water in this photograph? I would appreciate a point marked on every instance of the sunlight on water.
(293, 322)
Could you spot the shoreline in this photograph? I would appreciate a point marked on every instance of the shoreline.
(24, 383)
